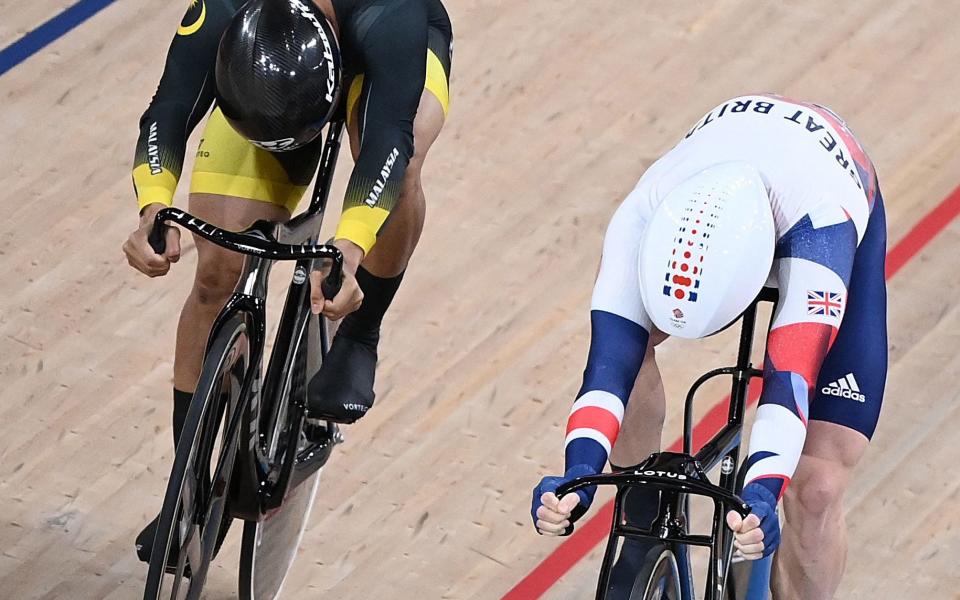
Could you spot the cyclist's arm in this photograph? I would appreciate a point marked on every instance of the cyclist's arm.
(797, 344)
(620, 329)
(185, 92)
(394, 53)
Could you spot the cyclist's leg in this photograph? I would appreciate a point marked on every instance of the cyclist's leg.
(397, 241)
(343, 389)
(843, 416)
(640, 435)
(643, 417)
(813, 549)
(233, 184)
(215, 277)
(382, 270)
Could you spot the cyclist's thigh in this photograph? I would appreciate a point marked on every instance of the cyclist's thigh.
(228, 165)
(641, 429)
(851, 381)
(232, 213)
(832, 447)
(234, 183)
(434, 102)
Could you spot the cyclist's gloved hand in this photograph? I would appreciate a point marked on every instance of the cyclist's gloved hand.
(553, 516)
(758, 535)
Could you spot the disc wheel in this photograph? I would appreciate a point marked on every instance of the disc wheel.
(194, 520)
(659, 579)
(270, 544)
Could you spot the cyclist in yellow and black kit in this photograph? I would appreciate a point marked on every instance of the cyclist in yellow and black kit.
(276, 71)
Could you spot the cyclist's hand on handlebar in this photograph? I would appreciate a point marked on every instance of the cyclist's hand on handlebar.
(553, 515)
(350, 296)
(757, 535)
(138, 251)
(556, 516)
(747, 535)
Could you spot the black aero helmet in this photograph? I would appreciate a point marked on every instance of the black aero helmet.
(278, 73)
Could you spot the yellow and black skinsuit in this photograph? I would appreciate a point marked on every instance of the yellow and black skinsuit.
(383, 44)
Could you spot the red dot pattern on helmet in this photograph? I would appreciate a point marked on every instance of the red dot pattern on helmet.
(699, 219)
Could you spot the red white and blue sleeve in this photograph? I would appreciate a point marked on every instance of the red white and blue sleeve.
(813, 264)
(620, 329)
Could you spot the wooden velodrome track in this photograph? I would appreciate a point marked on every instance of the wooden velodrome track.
(558, 107)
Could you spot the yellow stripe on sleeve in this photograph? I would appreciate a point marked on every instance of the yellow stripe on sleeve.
(153, 189)
(360, 225)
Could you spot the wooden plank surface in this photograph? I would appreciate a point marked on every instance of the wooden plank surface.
(557, 109)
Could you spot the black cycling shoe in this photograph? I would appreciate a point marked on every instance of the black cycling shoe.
(144, 545)
(342, 391)
(144, 541)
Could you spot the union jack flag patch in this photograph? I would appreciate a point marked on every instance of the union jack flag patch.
(828, 304)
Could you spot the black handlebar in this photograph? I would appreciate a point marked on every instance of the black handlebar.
(660, 480)
(157, 236)
(257, 240)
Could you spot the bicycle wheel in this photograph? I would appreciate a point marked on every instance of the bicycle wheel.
(270, 544)
(659, 578)
(193, 519)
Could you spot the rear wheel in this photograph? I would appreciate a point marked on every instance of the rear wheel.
(659, 578)
(270, 544)
(194, 519)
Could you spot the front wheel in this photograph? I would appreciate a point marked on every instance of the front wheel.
(193, 519)
(659, 578)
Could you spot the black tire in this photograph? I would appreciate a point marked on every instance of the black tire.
(270, 543)
(194, 519)
(659, 578)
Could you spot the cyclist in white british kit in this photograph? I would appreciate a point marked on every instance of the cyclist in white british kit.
(762, 190)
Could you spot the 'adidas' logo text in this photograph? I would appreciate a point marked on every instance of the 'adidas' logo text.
(845, 387)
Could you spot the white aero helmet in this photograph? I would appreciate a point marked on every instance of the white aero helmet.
(707, 251)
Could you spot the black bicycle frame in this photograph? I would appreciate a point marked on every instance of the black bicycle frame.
(274, 480)
(679, 475)
(258, 484)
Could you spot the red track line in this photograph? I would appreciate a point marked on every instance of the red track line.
(597, 527)
(924, 231)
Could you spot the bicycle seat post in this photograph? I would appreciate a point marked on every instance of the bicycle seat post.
(255, 271)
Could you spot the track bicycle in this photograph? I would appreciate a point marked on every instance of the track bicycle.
(247, 450)
(666, 573)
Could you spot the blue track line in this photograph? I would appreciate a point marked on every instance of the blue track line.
(58, 26)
